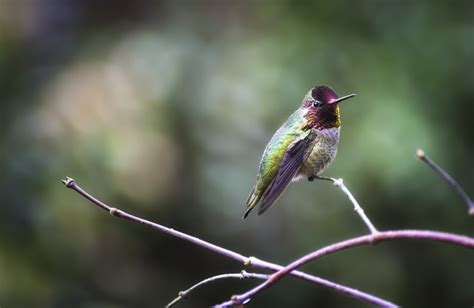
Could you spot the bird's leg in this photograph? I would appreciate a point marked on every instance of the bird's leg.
(317, 177)
(324, 178)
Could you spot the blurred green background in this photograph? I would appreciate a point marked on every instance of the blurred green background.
(163, 108)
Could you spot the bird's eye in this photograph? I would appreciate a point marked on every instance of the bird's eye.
(317, 104)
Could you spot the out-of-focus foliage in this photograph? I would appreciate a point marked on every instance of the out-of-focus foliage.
(163, 109)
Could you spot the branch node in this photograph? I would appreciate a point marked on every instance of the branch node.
(69, 182)
(113, 211)
(248, 261)
(182, 294)
(471, 211)
(338, 182)
(374, 239)
(244, 274)
(420, 153)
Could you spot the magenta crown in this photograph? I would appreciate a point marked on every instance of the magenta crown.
(323, 94)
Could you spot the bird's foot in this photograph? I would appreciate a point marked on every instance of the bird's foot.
(311, 178)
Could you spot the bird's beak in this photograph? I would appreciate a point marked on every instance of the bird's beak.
(340, 99)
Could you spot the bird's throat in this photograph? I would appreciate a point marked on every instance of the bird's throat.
(326, 117)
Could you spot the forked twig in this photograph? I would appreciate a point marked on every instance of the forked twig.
(241, 275)
(247, 261)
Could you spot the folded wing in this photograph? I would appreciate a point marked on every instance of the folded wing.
(295, 155)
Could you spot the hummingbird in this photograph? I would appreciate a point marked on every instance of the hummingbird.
(302, 147)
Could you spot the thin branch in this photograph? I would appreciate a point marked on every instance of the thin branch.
(459, 240)
(448, 179)
(247, 261)
(357, 208)
(71, 183)
(241, 275)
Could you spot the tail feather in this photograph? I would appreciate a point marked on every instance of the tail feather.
(252, 201)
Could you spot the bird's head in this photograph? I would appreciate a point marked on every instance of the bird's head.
(321, 108)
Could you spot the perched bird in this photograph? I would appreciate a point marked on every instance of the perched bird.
(301, 148)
